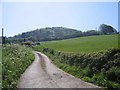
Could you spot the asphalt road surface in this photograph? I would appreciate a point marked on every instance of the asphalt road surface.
(42, 73)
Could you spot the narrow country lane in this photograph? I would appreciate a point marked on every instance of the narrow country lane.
(42, 73)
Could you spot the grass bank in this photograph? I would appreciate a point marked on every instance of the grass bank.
(15, 60)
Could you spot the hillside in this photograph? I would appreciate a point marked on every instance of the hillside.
(84, 44)
(46, 34)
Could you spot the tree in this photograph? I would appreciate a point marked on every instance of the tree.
(92, 32)
(107, 29)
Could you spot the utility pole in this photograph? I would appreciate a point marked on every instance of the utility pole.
(2, 32)
(3, 38)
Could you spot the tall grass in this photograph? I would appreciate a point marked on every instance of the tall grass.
(15, 60)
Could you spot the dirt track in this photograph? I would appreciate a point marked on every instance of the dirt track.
(42, 73)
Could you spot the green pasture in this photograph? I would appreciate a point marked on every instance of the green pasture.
(84, 44)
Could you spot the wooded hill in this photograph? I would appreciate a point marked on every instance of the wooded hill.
(58, 33)
(46, 34)
(50, 33)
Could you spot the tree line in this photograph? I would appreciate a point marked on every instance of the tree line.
(58, 33)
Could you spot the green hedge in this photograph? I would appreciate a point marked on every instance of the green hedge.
(101, 68)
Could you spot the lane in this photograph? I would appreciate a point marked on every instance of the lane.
(42, 73)
(35, 76)
(63, 79)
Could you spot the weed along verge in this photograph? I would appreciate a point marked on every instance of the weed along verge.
(42, 62)
(16, 59)
(101, 68)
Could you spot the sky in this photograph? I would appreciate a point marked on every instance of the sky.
(18, 17)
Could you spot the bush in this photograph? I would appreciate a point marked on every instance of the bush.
(27, 43)
(38, 43)
(86, 79)
(113, 74)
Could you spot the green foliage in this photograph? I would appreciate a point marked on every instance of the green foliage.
(107, 29)
(88, 79)
(46, 34)
(27, 43)
(37, 43)
(38, 48)
(113, 74)
(15, 61)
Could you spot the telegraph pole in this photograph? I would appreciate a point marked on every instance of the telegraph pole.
(3, 38)
(2, 32)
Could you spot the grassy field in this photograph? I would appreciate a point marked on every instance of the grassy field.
(16, 59)
(84, 44)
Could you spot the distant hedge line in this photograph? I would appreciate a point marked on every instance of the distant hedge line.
(101, 68)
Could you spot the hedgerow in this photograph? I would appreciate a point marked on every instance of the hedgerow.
(101, 68)
(15, 60)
